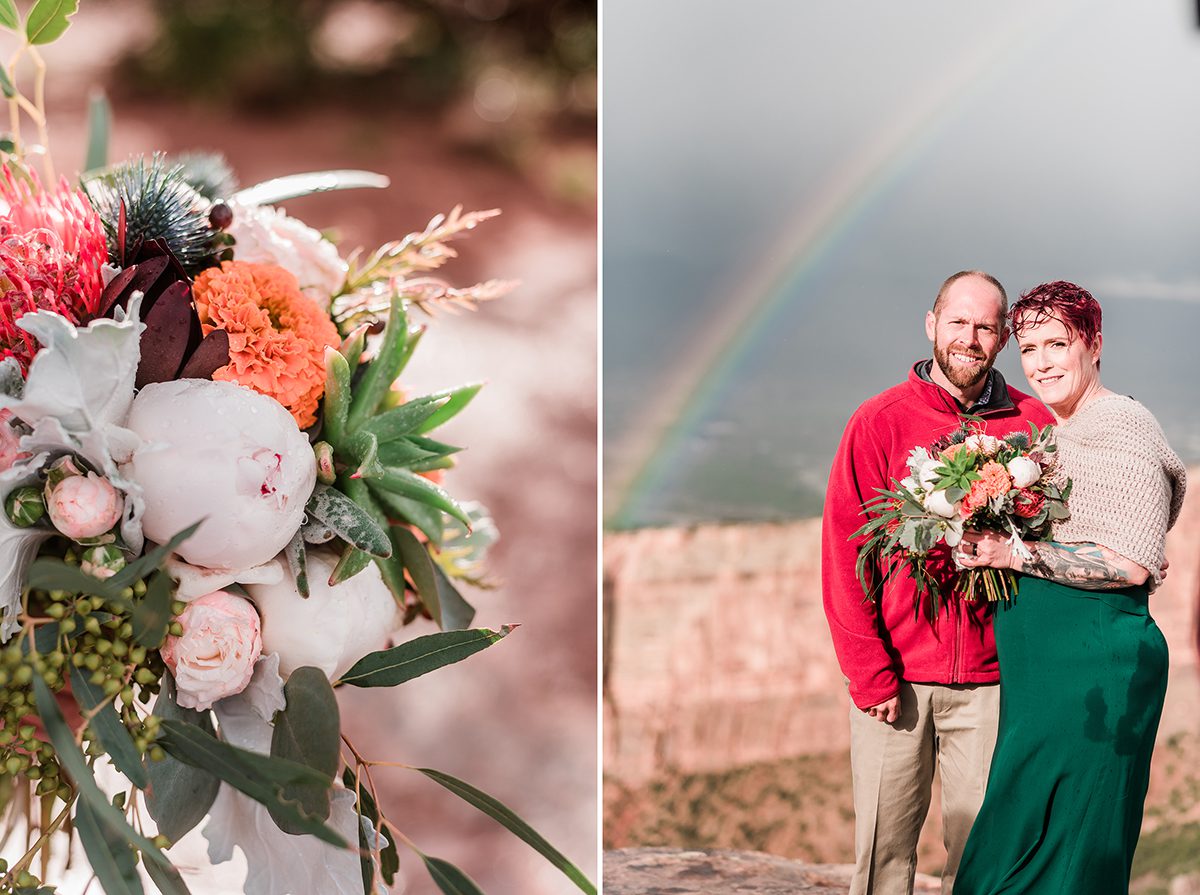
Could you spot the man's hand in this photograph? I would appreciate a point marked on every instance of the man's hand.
(886, 712)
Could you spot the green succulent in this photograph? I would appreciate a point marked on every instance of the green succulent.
(369, 463)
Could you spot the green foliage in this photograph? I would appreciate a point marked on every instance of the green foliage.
(263, 778)
(449, 878)
(307, 732)
(179, 795)
(108, 728)
(49, 19)
(389, 858)
(387, 668)
(9, 18)
(498, 811)
(112, 859)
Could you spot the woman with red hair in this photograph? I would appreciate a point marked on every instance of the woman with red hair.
(1083, 666)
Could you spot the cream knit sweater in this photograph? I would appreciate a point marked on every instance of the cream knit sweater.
(1128, 483)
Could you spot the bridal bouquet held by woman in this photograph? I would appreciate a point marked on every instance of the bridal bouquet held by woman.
(1083, 666)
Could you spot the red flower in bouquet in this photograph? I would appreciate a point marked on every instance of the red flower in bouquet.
(1028, 503)
(52, 249)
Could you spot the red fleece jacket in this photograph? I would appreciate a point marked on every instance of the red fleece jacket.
(880, 644)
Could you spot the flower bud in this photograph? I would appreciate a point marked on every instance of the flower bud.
(102, 562)
(938, 503)
(25, 506)
(326, 474)
(83, 507)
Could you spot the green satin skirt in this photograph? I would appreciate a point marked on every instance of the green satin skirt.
(1082, 680)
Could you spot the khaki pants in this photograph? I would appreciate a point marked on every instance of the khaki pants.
(952, 725)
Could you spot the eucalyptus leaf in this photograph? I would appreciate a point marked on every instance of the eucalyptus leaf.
(457, 613)
(389, 857)
(417, 561)
(349, 521)
(261, 777)
(71, 759)
(9, 17)
(109, 730)
(151, 560)
(179, 795)
(112, 858)
(387, 668)
(308, 732)
(48, 20)
(48, 573)
(449, 878)
(498, 811)
(152, 614)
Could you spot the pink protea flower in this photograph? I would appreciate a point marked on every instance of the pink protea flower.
(52, 249)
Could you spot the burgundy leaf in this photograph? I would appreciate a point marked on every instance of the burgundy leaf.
(149, 273)
(121, 235)
(164, 343)
(211, 356)
(115, 289)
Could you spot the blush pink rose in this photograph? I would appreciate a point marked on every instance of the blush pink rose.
(84, 506)
(215, 655)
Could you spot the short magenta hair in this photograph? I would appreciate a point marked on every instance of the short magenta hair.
(1073, 305)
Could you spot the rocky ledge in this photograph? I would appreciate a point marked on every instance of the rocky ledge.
(673, 871)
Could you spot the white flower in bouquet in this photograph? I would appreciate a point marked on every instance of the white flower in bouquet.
(939, 504)
(266, 235)
(928, 475)
(216, 654)
(1024, 471)
(226, 454)
(335, 626)
(983, 443)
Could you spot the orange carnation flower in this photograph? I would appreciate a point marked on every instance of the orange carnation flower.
(277, 334)
(975, 499)
(995, 478)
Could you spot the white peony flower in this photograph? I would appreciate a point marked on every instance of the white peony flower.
(938, 504)
(266, 235)
(1024, 472)
(335, 626)
(226, 454)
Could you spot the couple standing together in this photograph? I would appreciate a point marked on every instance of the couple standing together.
(1044, 776)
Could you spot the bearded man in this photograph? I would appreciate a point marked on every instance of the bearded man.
(925, 692)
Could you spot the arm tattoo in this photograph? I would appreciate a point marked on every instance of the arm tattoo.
(1086, 566)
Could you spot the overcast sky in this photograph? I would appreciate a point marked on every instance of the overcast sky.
(835, 162)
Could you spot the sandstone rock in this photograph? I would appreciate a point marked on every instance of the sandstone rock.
(670, 871)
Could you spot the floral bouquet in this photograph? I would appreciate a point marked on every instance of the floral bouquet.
(966, 480)
(218, 507)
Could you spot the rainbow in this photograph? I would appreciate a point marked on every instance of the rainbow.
(646, 454)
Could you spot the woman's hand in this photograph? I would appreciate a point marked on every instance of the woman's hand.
(986, 549)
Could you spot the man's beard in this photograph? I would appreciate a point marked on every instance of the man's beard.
(959, 376)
